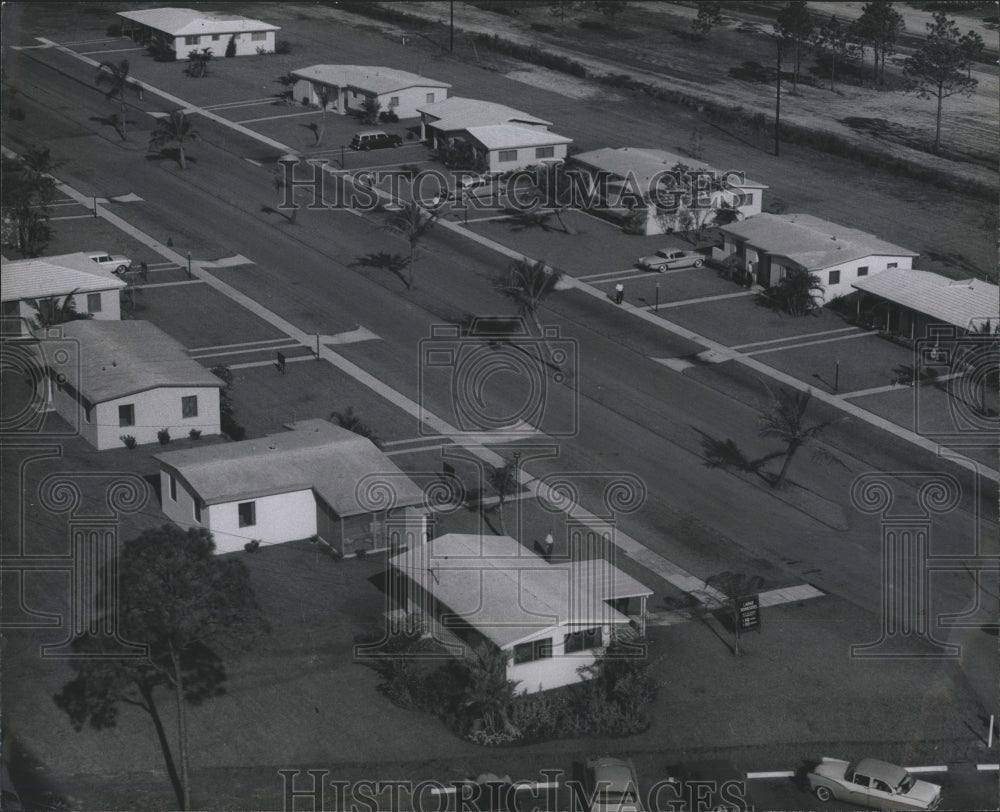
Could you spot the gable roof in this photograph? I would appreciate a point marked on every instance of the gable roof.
(510, 136)
(811, 242)
(180, 22)
(644, 164)
(338, 465)
(370, 78)
(458, 113)
(121, 358)
(956, 302)
(508, 593)
(54, 276)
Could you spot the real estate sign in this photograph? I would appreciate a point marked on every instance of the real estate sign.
(748, 613)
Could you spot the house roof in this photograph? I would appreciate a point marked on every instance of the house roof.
(644, 164)
(370, 78)
(956, 302)
(180, 22)
(121, 358)
(508, 593)
(54, 276)
(511, 136)
(344, 469)
(458, 113)
(811, 242)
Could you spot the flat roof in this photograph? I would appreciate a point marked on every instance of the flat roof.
(644, 164)
(54, 276)
(510, 136)
(459, 113)
(189, 22)
(510, 594)
(370, 78)
(811, 242)
(960, 303)
(121, 358)
(344, 469)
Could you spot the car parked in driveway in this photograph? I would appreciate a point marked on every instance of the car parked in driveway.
(872, 783)
(112, 262)
(668, 259)
(374, 139)
(612, 785)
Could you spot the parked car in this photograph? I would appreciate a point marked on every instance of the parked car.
(612, 785)
(375, 139)
(669, 259)
(113, 262)
(713, 784)
(872, 783)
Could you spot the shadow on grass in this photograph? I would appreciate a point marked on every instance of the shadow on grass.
(171, 154)
(727, 455)
(114, 121)
(383, 260)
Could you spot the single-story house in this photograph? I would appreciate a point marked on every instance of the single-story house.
(134, 380)
(187, 29)
(550, 618)
(769, 245)
(632, 179)
(909, 302)
(349, 85)
(451, 117)
(508, 147)
(316, 479)
(24, 282)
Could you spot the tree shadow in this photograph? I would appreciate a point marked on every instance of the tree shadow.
(170, 154)
(383, 260)
(727, 455)
(114, 121)
(271, 210)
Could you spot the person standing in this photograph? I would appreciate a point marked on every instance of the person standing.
(549, 544)
(619, 292)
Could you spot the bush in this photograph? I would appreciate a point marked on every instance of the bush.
(388, 117)
(262, 51)
(129, 440)
(195, 434)
(231, 46)
(252, 546)
(282, 46)
(163, 435)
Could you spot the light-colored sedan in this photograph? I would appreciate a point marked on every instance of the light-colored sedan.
(113, 262)
(872, 783)
(668, 259)
(613, 786)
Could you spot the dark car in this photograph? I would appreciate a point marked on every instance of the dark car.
(712, 784)
(374, 139)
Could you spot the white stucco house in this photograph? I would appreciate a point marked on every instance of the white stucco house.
(550, 618)
(316, 479)
(637, 181)
(451, 117)
(95, 290)
(187, 29)
(348, 86)
(508, 147)
(769, 245)
(134, 380)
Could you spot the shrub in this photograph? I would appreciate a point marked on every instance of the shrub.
(252, 546)
(231, 46)
(129, 440)
(163, 435)
(262, 51)
(195, 434)
(388, 117)
(282, 46)
(635, 222)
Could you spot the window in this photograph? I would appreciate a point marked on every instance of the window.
(173, 487)
(191, 40)
(248, 513)
(881, 786)
(258, 36)
(430, 98)
(197, 510)
(126, 415)
(536, 650)
(189, 406)
(215, 37)
(861, 780)
(93, 302)
(892, 265)
(506, 156)
(582, 640)
(88, 413)
(834, 278)
(545, 152)
(863, 270)
(393, 101)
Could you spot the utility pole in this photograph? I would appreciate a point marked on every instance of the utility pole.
(777, 105)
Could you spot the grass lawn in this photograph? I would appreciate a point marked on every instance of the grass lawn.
(691, 283)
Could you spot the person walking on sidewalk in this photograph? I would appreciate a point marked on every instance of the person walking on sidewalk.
(619, 292)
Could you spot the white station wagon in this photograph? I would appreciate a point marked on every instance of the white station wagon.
(113, 262)
(669, 259)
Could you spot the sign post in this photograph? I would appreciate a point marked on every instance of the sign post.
(747, 611)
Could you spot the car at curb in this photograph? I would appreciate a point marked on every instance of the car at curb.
(712, 784)
(374, 139)
(612, 785)
(116, 263)
(669, 259)
(872, 783)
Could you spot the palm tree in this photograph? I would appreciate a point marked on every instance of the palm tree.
(351, 421)
(504, 481)
(49, 312)
(323, 97)
(413, 222)
(115, 77)
(555, 182)
(176, 128)
(527, 283)
(784, 419)
(487, 695)
(798, 292)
